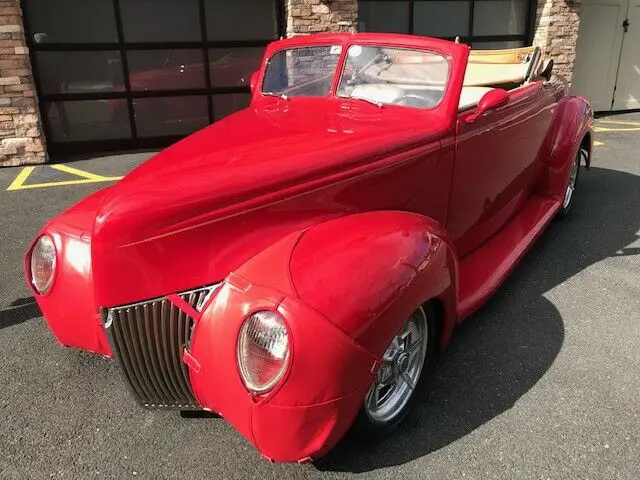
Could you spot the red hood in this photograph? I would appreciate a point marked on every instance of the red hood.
(250, 159)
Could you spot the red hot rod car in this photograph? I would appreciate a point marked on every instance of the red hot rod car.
(297, 266)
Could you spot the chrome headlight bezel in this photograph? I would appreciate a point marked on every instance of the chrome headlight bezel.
(43, 256)
(266, 332)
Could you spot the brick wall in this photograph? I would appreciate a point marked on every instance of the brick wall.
(21, 137)
(556, 30)
(311, 16)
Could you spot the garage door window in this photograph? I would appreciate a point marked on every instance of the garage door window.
(484, 24)
(135, 73)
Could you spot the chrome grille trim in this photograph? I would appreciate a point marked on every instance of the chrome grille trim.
(147, 338)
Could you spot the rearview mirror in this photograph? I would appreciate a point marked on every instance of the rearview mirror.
(253, 83)
(491, 100)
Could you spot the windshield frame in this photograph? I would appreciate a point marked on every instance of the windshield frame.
(341, 64)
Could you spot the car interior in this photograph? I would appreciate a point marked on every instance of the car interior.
(486, 69)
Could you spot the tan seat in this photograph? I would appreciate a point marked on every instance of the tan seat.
(484, 74)
(508, 67)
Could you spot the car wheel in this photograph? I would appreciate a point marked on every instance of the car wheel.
(401, 378)
(570, 191)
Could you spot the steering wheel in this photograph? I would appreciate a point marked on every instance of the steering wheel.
(412, 100)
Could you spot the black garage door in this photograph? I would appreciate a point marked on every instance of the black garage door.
(114, 74)
(484, 24)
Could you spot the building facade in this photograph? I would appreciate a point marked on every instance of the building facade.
(99, 75)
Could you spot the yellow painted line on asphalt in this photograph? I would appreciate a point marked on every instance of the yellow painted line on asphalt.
(79, 173)
(596, 143)
(606, 129)
(626, 126)
(20, 179)
(85, 177)
(619, 122)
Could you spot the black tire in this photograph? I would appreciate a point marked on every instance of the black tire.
(367, 427)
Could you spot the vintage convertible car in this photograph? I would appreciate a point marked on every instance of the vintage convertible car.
(297, 266)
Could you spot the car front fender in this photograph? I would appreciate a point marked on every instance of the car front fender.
(344, 288)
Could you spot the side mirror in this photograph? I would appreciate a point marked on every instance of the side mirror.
(491, 100)
(253, 83)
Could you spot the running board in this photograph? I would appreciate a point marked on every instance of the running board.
(482, 271)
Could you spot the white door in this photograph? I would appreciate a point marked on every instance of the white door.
(598, 50)
(627, 94)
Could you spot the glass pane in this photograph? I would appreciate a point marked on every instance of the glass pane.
(441, 18)
(497, 45)
(383, 16)
(87, 120)
(72, 21)
(226, 104)
(231, 67)
(79, 72)
(165, 69)
(160, 20)
(305, 71)
(401, 76)
(500, 17)
(241, 19)
(170, 115)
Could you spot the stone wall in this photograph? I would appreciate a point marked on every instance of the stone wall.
(312, 16)
(21, 137)
(556, 30)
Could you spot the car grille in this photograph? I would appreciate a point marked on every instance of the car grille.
(147, 338)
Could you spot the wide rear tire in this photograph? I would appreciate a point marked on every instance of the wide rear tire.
(572, 185)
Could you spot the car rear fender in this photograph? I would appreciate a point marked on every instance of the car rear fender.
(572, 123)
(344, 288)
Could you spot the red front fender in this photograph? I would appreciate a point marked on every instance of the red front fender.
(344, 288)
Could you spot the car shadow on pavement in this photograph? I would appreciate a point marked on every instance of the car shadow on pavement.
(19, 311)
(503, 350)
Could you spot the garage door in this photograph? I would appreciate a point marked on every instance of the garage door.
(138, 73)
(607, 69)
(627, 94)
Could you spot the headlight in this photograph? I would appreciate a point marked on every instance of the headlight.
(263, 351)
(43, 264)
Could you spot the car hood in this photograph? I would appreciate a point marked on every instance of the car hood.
(199, 209)
(247, 158)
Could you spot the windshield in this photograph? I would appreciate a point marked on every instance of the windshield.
(394, 76)
(376, 74)
(305, 71)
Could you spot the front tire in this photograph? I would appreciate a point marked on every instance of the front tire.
(400, 380)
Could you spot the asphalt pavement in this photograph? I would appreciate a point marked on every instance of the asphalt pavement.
(543, 382)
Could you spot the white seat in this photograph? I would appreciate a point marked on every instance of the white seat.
(377, 92)
(470, 96)
(382, 93)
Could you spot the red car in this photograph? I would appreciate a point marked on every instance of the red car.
(298, 266)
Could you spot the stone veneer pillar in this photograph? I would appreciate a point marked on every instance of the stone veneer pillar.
(312, 16)
(21, 137)
(556, 30)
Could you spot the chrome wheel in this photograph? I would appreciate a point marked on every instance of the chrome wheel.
(573, 178)
(400, 372)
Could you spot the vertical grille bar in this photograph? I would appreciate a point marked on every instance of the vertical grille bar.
(148, 339)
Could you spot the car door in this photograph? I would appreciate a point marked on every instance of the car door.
(495, 164)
